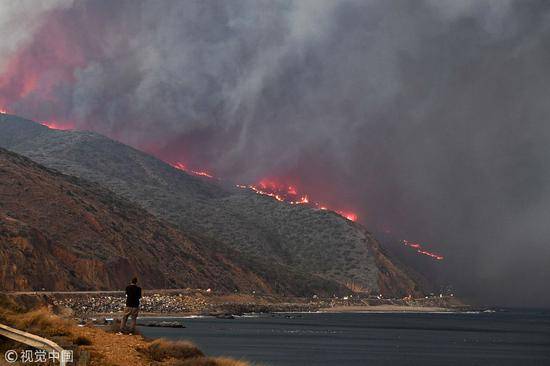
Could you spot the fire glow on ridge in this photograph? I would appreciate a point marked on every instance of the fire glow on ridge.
(278, 191)
(53, 125)
(56, 126)
(419, 249)
(290, 194)
(181, 166)
(266, 187)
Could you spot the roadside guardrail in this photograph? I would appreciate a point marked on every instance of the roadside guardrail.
(34, 341)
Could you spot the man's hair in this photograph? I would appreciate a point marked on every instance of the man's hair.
(134, 280)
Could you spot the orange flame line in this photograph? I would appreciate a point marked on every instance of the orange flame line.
(421, 250)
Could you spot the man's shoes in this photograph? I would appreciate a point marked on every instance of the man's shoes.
(119, 333)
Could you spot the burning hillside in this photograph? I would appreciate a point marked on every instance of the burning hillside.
(421, 250)
(288, 193)
(201, 173)
(291, 194)
(54, 125)
(282, 192)
(60, 233)
(297, 236)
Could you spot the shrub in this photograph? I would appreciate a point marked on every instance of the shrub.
(162, 349)
(210, 361)
(82, 341)
(42, 322)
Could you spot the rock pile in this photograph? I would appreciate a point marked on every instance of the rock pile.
(203, 303)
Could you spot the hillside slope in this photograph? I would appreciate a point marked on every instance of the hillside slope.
(59, 233)
(309, 240)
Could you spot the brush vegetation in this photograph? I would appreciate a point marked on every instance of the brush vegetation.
(184, 353)
(294, 249)
(163, 349)
(101, 347)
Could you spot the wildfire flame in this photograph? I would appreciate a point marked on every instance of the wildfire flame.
(282, 193)
(270, 188)
(348, 215)
(181, 166)
(421, 250)
(50, 124)
(56, 126)
(290, 194)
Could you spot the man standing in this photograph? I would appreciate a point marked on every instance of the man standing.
(133, 294)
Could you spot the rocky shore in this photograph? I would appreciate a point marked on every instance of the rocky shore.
(199, 302)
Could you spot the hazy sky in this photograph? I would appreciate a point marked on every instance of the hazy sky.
(428, 118)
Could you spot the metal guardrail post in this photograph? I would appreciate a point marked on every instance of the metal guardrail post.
(33, 341)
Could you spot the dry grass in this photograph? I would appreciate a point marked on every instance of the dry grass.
(162, 349)
(210, 361)
(40, 321)
(109, 349)
(82, 341)
(184, 353)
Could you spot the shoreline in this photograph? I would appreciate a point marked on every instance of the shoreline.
(345, 309)
(189, 303)
(387, 309)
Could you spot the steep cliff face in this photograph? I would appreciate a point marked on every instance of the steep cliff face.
(30, 260)
(392, 278)
(25, 249)
(312, 241)
(58, 232)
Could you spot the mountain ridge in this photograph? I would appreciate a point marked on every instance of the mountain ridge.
(59, 232)
(315, 241)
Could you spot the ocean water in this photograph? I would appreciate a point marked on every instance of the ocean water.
(499, 338)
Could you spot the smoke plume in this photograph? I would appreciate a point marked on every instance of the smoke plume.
(429, 117)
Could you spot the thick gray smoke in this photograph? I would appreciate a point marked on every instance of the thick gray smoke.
(427, 117)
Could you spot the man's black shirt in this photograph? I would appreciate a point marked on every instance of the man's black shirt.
(133, 294)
